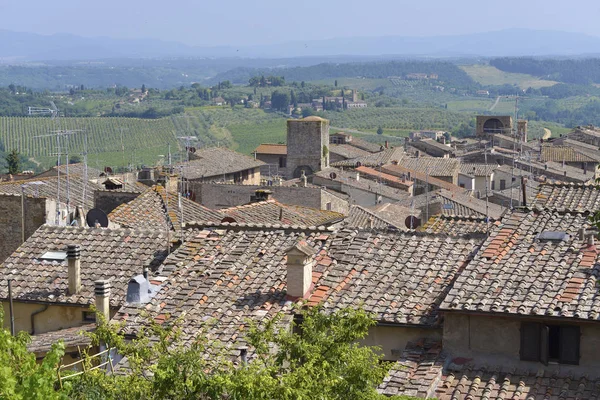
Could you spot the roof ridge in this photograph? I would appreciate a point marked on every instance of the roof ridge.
(251, 225)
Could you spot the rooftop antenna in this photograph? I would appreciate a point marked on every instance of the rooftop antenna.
(61, 134)
(123, 144)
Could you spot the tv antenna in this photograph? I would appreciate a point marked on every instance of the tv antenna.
(52, 111)
(61, 134)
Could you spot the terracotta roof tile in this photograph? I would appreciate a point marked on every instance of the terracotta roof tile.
(114, 254)
(529, 276)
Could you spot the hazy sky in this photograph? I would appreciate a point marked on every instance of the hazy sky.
(244, 22)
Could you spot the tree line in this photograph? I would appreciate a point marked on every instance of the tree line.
(581, 71)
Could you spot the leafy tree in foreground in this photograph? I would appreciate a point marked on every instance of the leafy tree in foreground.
(21, 377)
(321, 360)
(14, 162)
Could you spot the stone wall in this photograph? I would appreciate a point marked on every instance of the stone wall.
(108, 200)
(214, 195)
(307, 146)
(38, 211)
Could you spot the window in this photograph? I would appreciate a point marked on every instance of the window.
(89, 316)
(502, 184)
(328, 206)
(282, 162)
(462, 185)
(545, 343)
(493, 185)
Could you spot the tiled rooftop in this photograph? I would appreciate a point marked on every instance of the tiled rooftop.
(361, 217)
(567, 197)
(563, 153)
(373, 160)
(517, 273)
(215, 162)
(149, 211)
(271, 212)
(425, 371)
(455, 225)
(230, 274)
(271, 148)
(400, 278)
(71, 337)
(477, 169)
(349, 178)
(48, 187)
(467, 206)
(347, 151)
(433, 144)
(399, 170)
(433, 166)
(114, 254)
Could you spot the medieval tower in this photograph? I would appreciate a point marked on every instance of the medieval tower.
(307, 145)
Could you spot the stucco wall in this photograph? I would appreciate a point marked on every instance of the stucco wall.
(393, 340)
(54, 318)
(498, 339)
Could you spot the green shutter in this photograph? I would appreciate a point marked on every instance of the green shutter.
(569, 345)
(530, 341)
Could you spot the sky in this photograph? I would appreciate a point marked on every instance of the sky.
(250, 22)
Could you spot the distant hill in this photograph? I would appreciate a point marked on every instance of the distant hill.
(15, 46)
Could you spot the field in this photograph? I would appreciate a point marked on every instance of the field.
(488, 75)
(397, 118)
(115, 141)
(147, 138)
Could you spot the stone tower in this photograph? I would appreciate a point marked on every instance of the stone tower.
(307, 145)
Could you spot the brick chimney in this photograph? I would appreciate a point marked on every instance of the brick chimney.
(299, 270)
(102, 292)
(74, 268)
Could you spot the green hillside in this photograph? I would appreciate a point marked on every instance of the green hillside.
(145, 138)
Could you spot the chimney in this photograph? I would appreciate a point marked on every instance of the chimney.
(387, 144)
(102, 292)
(590, 240)
(138, 290)
(417, 153)
(303, 179)
(581, 233)
(299, 270)
(74, 268)
(357, 176)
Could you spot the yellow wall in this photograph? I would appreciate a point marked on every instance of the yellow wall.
(54, 318)
(395, 338)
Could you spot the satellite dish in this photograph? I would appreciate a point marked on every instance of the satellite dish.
(96, 215)
(412, 222)
(333, 175)
(108, 170)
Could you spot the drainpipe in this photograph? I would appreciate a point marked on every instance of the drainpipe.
(12, 313)
(33, 314)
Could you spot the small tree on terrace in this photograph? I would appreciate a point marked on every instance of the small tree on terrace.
(14, 162)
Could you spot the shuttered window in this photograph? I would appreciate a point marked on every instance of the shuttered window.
(569, 345)
(544, 343)
(530, 341)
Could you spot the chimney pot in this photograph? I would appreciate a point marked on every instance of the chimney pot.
(74, 268)
(591, 240)
(299, 270)
(102, 292)
(581, 233)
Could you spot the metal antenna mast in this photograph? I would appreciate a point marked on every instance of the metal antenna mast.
(58, 134)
